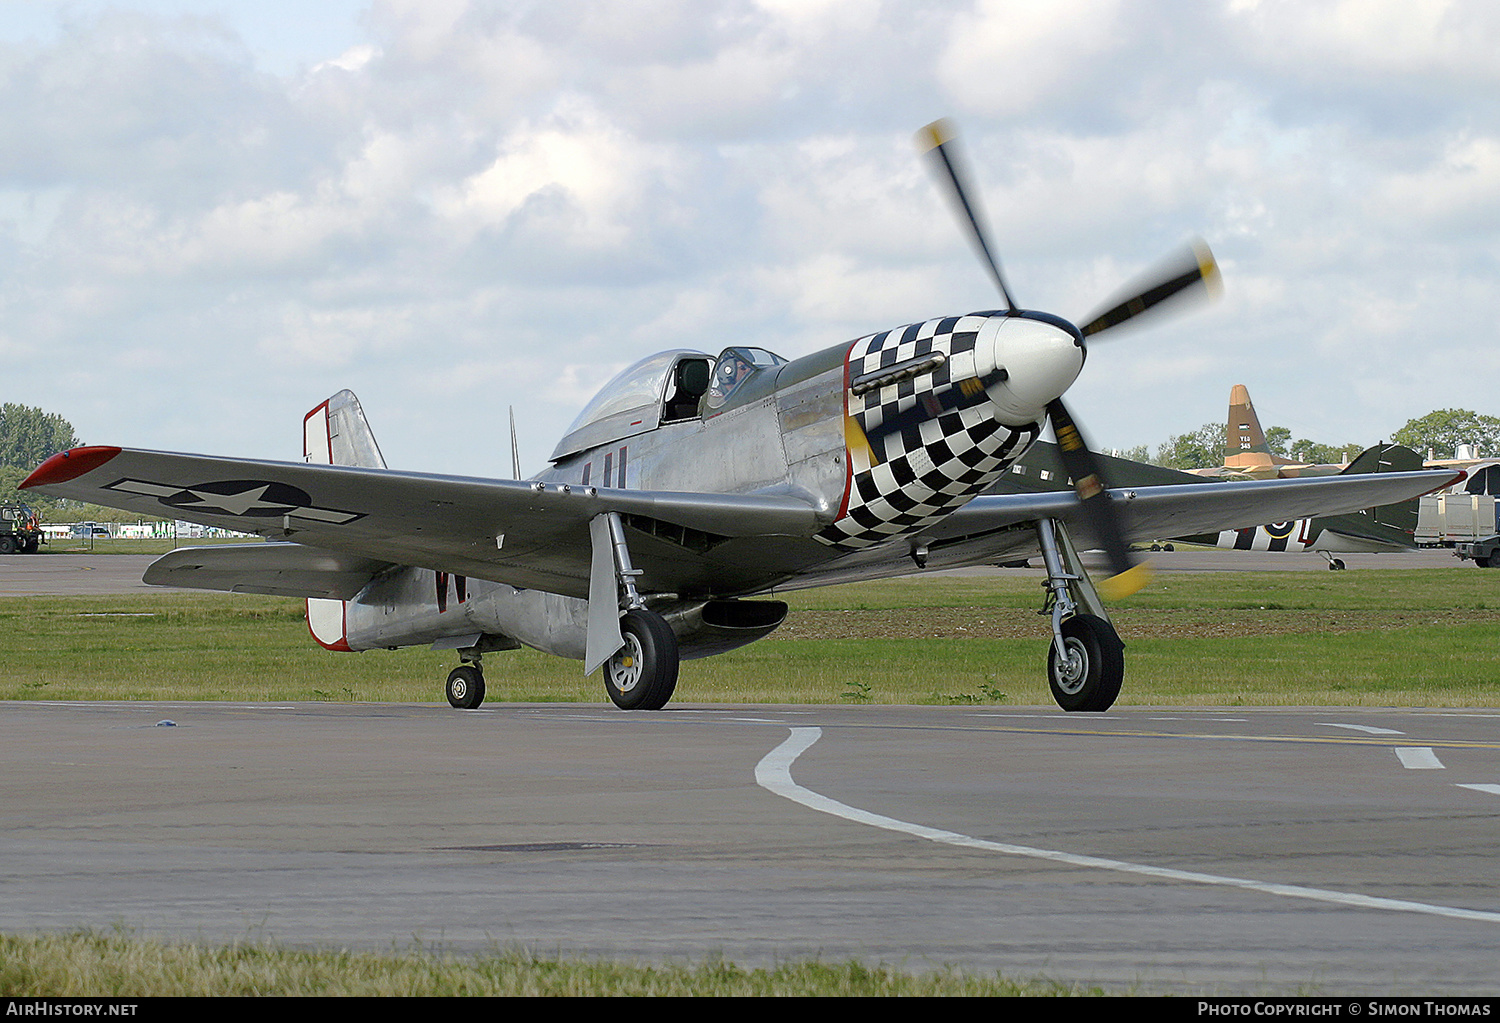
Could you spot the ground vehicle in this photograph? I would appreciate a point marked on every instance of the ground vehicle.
(1486, 552)
(20, 532)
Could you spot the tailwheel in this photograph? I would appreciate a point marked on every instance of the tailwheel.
(642, 674)
(1089, 677)
(466, 686)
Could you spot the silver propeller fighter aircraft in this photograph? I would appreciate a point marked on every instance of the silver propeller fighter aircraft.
(692, 484)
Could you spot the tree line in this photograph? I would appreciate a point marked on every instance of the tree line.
(28, 437)
(1439, 432)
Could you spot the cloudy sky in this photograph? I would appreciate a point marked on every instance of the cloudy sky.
(214, 214)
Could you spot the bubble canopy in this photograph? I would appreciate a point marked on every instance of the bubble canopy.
(627, 405)
(631, 403)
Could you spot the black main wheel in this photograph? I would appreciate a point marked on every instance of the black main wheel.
(466, 686)
(642, 674)
(1090, 677)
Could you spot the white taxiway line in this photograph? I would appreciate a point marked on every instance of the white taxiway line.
(774, 773)
(1367, 729)
(1418, 758)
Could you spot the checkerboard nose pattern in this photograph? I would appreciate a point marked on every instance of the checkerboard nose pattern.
(923, 443)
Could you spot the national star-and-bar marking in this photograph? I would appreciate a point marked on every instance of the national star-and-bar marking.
(252, 499)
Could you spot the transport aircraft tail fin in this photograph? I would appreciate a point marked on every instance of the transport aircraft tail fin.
(1244, 433)
(1245, 446)
(337, 433)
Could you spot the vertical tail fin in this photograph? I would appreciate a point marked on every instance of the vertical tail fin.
(337, 433)
(1390, 458)
(1244, 441)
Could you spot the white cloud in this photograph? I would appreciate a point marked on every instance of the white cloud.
(1459, 191)
(1007, 57)
(599, 169)
(1374, 38)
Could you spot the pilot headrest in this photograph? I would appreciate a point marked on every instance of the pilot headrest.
(692, 376)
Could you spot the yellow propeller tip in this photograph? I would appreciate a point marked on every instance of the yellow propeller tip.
(1209, 268)
(1126, 583)
(936, 133)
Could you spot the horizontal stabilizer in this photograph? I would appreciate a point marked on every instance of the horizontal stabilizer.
(279, 569)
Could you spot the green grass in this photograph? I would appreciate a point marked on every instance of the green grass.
(1382, 637)
(115, 545)
(116, 966)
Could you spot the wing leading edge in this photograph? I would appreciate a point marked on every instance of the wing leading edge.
(526, 534)
(1153, 512)
(351, 523)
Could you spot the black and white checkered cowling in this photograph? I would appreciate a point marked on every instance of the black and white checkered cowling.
(935, 447)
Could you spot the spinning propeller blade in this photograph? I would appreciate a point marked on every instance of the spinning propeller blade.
(1181, 275)
(1126, 574)
(1191, 272)
(937, 140)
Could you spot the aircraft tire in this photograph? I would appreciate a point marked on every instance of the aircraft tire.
(642, 674)
(465, 687)
(1336, 565)
(1094, 682)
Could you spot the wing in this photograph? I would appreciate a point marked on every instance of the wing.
(526, 534)
(536, 536)
(997, 528)
(1155, 512)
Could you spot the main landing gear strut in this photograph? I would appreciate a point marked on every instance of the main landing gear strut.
(1086, 661)
(640, 671)
(466, 682)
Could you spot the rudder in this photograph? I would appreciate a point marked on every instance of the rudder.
(336, 432)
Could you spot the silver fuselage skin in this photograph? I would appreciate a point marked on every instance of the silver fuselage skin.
(796, 429)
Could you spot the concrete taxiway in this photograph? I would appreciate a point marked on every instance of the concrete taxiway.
(1328, 850)
(74, 575)
(83, 574)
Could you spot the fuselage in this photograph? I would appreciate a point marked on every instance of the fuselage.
(883, 437)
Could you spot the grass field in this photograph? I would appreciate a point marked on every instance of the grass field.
(1381, 637)
(84, 965)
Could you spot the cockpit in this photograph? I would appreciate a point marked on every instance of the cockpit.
(734, 368)
(670, 387)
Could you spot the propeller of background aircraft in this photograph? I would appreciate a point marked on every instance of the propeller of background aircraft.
(1192, 272)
